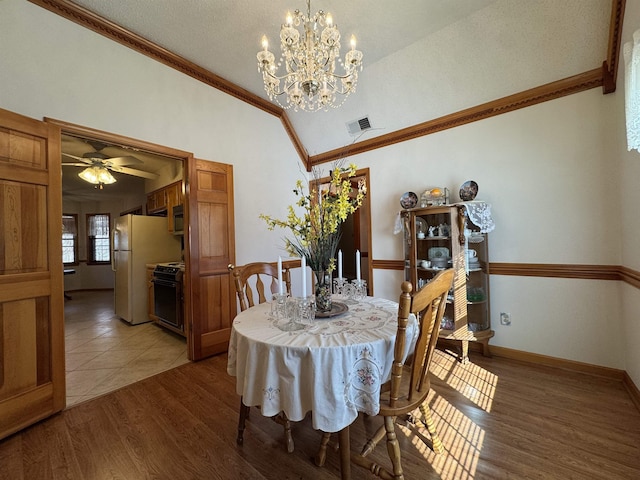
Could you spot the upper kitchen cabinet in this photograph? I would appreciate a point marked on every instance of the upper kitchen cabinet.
(164, 199)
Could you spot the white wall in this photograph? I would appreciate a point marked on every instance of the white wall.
(554, 195)
(550, 172)
(630, 194)
(54, 68)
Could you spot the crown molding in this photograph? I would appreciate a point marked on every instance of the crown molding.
(551, 91)
(106, 28)
(604, 76)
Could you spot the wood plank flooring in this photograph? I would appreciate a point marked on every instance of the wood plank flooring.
(497, 418)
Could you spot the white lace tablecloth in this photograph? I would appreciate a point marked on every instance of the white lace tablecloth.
(333, 368)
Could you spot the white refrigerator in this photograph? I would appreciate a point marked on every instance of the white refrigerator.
(136, 241)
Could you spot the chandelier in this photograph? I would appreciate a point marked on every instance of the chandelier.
(310, 81)
(99, 176)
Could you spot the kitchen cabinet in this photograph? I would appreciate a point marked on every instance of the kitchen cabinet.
(174, 197)
(156, 201)
(164, 199)
(442, 237)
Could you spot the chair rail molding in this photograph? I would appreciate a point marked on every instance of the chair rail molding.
(549, 270)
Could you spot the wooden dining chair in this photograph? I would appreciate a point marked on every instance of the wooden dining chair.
(252, 279)
(406, 392)
(256, 283)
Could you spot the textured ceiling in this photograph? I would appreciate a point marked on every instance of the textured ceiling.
(422, 58)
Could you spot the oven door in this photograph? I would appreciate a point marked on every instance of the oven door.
(167, 302)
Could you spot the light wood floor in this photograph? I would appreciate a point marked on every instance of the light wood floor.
(498, 419)
(104, 353)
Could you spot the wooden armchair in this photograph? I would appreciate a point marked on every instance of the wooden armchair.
(250, 281)
(409, 385)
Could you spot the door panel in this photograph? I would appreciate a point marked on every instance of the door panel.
(32, 384)
(212, 249)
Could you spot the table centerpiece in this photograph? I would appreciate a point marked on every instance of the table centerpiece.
(316, 223)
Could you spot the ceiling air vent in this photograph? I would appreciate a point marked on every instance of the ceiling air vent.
(358, 126)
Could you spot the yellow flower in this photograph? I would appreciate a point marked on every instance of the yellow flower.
(317, 230)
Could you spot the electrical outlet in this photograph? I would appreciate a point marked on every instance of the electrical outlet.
(505, 318)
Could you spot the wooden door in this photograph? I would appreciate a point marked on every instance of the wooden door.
(32, 382)
(210, 217)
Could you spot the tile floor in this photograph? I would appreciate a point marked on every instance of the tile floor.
(104, 353)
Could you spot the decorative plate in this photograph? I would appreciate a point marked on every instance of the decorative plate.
(337, 308)
(475, 238)
(468, 191)
(438, 252)
(408, 200)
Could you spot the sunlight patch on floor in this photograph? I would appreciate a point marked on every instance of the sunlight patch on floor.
(472, 381)
(462, 438)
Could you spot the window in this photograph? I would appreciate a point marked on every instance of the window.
(70, 238)
(98, 251)
(631, 52)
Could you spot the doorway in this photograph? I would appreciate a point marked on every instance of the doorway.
(103, 352)
(356, 234)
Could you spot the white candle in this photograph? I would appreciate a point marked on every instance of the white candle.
(357, 264)
(339, 263)
(280, 290)
(304, 277)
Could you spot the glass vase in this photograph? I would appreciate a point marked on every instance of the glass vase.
(323, 291)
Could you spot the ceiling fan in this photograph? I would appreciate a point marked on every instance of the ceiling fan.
(97, 166)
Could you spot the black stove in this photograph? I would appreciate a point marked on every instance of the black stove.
(169, 271)
(168, 295)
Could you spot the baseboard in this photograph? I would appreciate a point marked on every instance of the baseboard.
(631, 387)
(587, 368)
(89, 290)
(536, 358)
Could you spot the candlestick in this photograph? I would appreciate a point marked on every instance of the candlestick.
(339, 263)
(280, 290)
(304, 277)
(357, 264)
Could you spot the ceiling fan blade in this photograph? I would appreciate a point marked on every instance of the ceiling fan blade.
(134, 172)
(86, 161)
(124, 161)
(76, 164)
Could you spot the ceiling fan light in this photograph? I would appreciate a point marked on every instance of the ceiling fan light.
(97, 176)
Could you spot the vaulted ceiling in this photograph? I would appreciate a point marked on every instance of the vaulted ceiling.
(425, 61)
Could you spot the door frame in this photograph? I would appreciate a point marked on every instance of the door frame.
(67, 128)
(362, 221)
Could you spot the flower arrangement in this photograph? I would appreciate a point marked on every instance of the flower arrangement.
(316, 231)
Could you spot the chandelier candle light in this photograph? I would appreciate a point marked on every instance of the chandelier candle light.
(310, 82)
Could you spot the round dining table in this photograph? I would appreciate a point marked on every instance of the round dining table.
(332, 367)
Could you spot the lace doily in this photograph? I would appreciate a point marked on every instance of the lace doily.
(479, 213)
(631, 51)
